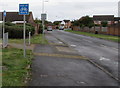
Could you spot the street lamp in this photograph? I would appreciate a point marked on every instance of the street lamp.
(43, 15)
(43, 5)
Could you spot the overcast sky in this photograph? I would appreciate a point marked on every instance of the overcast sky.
(65, 9)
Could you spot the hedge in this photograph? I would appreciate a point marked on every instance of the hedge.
(16, 31)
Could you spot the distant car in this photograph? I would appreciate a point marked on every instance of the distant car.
(49, 28)
(61, 28)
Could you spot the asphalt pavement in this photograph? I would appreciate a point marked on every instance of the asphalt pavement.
(61, 63)
(103, 52)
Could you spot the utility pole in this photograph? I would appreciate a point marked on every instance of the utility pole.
(43, 16)
(42, 19)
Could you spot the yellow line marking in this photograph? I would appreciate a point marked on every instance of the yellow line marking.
(60, 55)
(55, 44)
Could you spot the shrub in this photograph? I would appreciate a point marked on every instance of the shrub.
(9, 24)
(104, 23)
(40, 29)
(16, 31)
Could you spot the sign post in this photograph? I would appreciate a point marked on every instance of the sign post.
(29, 38)
(24, 10)
(4, 15)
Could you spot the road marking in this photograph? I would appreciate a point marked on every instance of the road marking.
(80, 82)
(103, 58)
(115, 48)
(61, 55)
(109, 47)
(73, 45)
(103, 45)
(61, 42)
(56, 44)
(88, 41)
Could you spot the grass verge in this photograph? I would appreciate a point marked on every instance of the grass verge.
(37, 39)
(15, 66)
(106, 37)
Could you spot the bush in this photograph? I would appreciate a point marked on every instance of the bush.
(16, 31)
(40, 29)
(104, 23)
(9, 24)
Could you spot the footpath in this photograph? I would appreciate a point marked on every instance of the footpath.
(20, 46)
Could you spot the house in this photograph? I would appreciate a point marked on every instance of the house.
(113, 27)
(67, 23)
(57, 24)
(100, 18)
(15, 18)
(116, 20)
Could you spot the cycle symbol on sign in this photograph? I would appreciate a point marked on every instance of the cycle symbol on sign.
(23, 9)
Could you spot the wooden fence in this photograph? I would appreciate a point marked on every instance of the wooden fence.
(111, 30)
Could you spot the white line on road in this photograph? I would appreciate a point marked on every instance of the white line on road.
(105, 59)
(103, 45)
(73, 45)
(60, 42)
(109, 47)
(88, 41)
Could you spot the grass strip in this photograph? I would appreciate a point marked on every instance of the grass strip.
(106, 37)
(15, 66)
(36, 39)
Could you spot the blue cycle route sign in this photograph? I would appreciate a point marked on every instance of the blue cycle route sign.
(23, 9)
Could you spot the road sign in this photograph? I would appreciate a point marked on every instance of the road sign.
(23, 9)
(43, 16)
(4, 13)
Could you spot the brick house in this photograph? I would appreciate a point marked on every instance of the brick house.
(100, 18)
(67, 23)
(15, 18)
(113, 27)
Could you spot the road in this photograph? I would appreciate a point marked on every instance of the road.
(62, 62)
(104, 53)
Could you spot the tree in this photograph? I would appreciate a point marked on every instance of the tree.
(56, 22)
(38, 21)
(104, 23)
(87, 21)
(76, 23)
(84, 21)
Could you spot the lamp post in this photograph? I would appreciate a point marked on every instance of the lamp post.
(43, 16)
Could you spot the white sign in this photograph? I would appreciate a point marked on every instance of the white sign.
(43, 16)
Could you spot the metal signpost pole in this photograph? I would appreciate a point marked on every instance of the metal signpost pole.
(29, 38)
(4, 15)
(3, 29)
(24, 10)
(24, 39)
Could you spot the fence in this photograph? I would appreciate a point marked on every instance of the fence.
(111, 30)
(5, 40)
